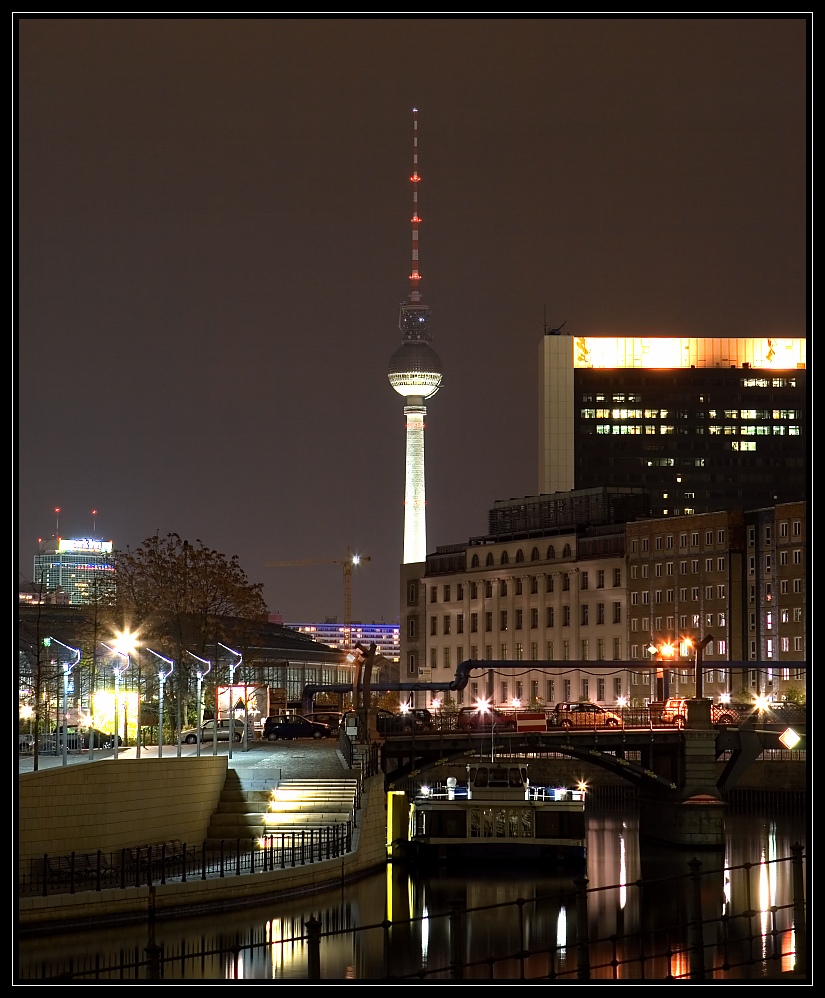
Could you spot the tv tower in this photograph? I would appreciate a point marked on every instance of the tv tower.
(415, 373)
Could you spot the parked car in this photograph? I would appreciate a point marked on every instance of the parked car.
(583, 715)
(329, 717)
(676, 708)
(470, 719)
(80, 738)
(294, 726)
(103, 739)
(208, 730)
(25, 742)
(388, 722)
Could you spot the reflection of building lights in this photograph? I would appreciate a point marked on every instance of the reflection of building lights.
(561, 928)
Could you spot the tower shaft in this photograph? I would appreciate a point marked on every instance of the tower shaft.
(415, 516)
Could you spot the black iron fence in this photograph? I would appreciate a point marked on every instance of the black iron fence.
(174, 861)
(705, 941)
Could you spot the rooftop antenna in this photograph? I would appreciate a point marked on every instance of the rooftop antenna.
(94, 522)
(56, 521)
(556, 331)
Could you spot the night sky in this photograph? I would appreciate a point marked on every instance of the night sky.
(214, 239)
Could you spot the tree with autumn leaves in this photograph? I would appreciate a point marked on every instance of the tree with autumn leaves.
(180, 597)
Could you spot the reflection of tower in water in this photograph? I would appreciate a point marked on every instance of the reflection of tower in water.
(415, 372)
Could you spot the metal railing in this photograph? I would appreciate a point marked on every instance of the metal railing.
(752, 942)
(171, 862)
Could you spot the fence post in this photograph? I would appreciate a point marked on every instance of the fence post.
(696, 942)
(582, 943)
(798, 880)
(313, 927)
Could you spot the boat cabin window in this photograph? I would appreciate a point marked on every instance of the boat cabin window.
(498, 776)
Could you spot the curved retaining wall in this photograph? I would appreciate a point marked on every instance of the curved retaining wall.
(170, 816)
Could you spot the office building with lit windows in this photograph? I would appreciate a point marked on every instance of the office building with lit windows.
(81, 568)
(335, 635)
(701, 424)
(736, 576)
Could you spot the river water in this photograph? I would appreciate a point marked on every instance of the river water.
(421, 925)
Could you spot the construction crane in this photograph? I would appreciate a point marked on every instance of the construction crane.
(348, 563)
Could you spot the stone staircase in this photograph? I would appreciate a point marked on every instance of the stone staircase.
(248, 812)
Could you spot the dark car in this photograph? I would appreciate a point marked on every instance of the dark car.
(475, 719)
(328, 717)
(80, 738)
(294, 726)
(584, 715)
(405, 721)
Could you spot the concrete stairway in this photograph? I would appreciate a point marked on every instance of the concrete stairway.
(248, 813)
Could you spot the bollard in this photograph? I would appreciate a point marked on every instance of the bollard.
(313, 929)
(696, 942)
(582, 943)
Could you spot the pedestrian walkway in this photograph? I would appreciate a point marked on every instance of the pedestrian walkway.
(261, 766)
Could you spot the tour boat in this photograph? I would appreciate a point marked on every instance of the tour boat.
(498, 813)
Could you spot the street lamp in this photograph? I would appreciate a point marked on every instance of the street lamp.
(67, 668)
(201, 673)
(484, 708)
(124, 648)
(700, 647)
(666, 652)
(232, 667)
(162, 677)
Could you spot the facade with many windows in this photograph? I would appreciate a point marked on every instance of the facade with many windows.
(613, 592)
(685, 583)
(776, 593)
(335, 635)
(554, 595)
(81, 568)
(701, 424)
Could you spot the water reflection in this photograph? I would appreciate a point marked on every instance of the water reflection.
(426, 925)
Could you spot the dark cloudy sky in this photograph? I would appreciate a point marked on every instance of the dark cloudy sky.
(213, 244)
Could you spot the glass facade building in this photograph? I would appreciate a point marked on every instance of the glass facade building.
(81, 569)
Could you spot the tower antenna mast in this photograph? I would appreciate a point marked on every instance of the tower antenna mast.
(415, 373)
(415, 220)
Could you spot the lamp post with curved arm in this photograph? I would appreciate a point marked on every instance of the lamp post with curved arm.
(232, 667)
(162, 677)
(67, 668)
(201, 673)
(123, 649)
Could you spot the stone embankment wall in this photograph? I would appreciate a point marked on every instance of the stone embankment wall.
(141, 824)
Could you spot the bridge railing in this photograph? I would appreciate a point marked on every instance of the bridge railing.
(647, 716)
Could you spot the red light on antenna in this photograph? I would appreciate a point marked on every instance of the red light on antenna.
(415, 276)
(415, 178)
(415, 218)
(57, 509)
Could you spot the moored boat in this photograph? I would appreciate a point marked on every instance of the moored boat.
(498, 812)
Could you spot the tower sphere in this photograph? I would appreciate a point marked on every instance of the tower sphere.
(415, 370)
